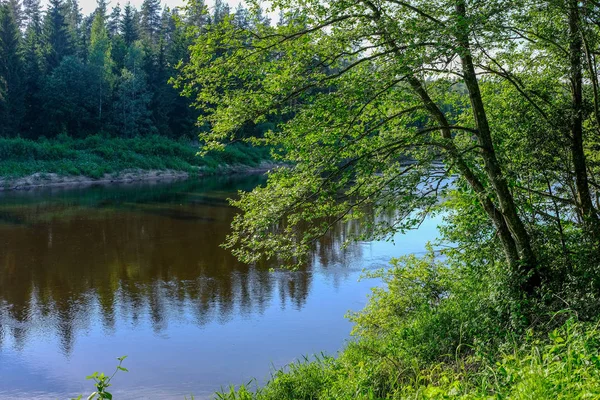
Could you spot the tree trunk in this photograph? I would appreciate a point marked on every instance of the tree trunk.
(529, 270)
(508, 243)
(584, 197)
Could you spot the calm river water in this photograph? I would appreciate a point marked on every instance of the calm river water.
(90, 274)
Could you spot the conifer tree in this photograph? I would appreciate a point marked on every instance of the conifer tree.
(114, 21)
(56, 34)
(150, 20)
(17, 9)
(128, 25)
(10, 72)
(33, 70)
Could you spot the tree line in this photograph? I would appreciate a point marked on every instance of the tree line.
(62, 72)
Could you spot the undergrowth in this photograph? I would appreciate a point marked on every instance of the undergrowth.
(437, 332)
(95, 156)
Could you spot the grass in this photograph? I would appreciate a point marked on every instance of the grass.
(98, 155)
(565, 364)
(429, 333)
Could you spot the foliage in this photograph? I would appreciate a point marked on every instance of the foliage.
(430, 333)
(98, 155)
(102, 382)
(383, 104)
(65, 73)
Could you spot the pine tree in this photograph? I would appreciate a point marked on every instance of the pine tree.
(57, 37)
(10, 72)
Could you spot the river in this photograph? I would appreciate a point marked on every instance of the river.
(90, 274)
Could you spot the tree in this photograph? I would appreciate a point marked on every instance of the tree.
(150, 20)
(365, 85)
(56, 34)
(69, 100)
(221, 11)
(74, 22)
(100, 60)
(33, 70)
(32, 14)
(196, 15)
(10, 72)
(114, 21)
(241, 17)
(17, 9)
(131, 108)
(129, 28)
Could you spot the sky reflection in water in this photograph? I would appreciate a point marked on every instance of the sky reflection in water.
(89, 274)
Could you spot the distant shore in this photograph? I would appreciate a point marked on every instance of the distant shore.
(40, 180)
(66, 161)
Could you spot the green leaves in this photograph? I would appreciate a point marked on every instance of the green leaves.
(102, 382)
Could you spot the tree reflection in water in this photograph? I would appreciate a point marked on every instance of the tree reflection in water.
(137, 253)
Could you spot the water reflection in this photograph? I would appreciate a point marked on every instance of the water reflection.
(136, 251)
(90, 274)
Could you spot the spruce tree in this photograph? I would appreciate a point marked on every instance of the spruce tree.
(128, 26)
(150, 20)
(221, 11)
(114, 21)
(74, 19)
(32, 14)
(11, 70)
(33, 70)
(131, 108)
(56, 33)
(197, 16)
(17, 9)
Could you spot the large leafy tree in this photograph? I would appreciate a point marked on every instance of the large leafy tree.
(366, 85)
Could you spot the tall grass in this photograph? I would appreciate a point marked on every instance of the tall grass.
(97, 155)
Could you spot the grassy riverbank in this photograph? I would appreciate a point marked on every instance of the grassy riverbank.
(562, 365)
(97, 155)
(435, 332)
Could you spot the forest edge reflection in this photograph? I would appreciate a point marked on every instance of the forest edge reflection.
(134, 252)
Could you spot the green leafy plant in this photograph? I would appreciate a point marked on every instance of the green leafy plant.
(102, 382)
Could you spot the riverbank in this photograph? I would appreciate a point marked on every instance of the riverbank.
(39, 180)
(65, 161)
(433, 331)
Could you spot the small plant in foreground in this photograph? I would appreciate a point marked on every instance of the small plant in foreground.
(102, 382)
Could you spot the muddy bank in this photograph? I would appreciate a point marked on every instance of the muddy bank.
(39, 180)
